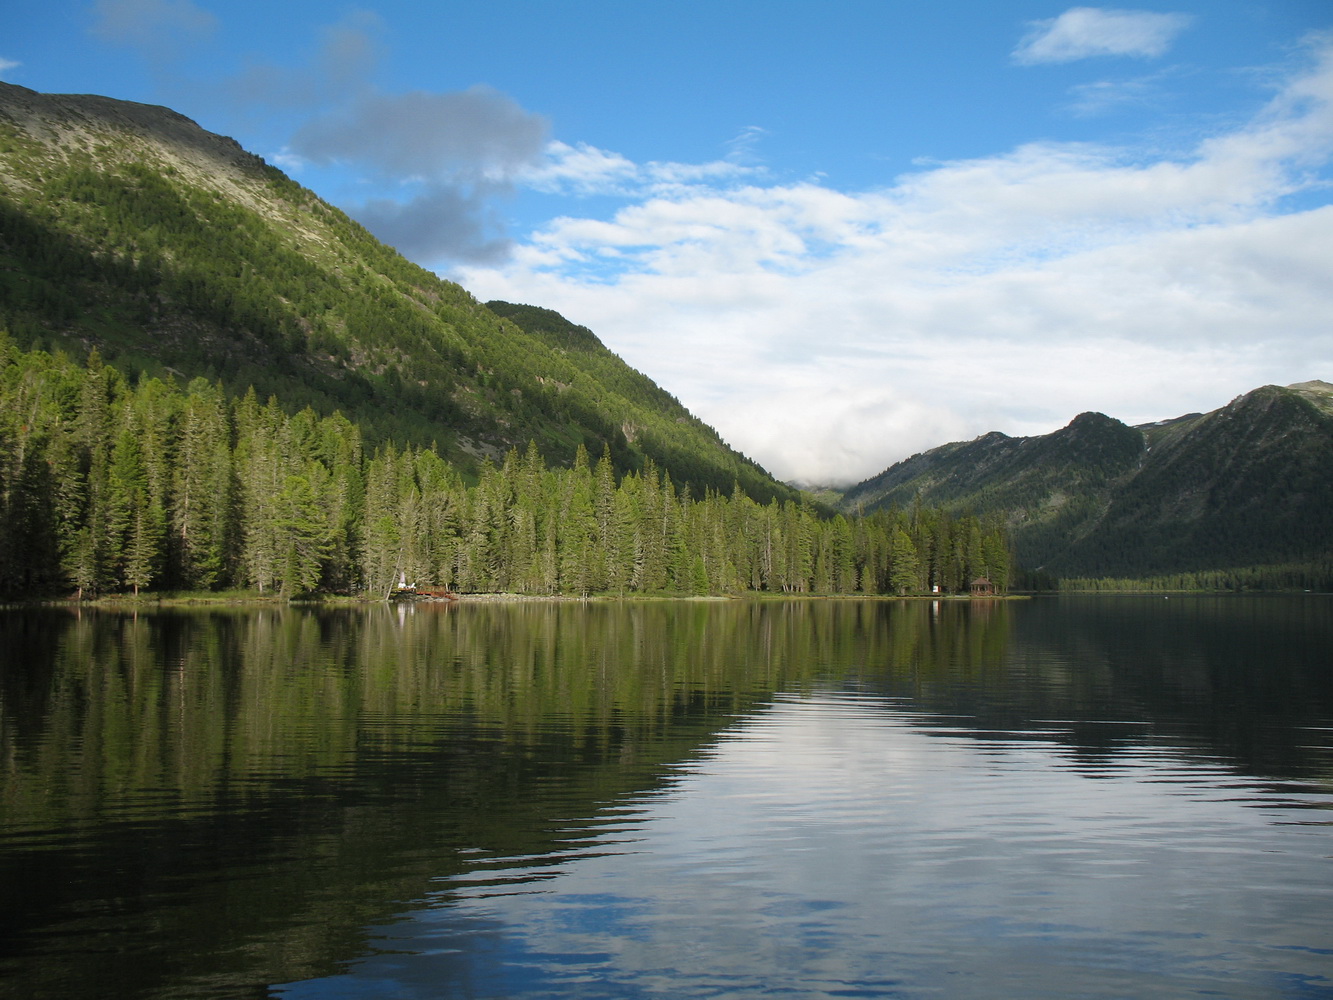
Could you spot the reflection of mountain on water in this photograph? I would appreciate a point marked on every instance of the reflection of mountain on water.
(212, 801)
(1227, 677)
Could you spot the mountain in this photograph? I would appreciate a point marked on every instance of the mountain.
(1246, 485)
(178, 254)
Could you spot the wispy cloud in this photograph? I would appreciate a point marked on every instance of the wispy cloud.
(581, 169)
(742, 146)
(831, 333)
(1084, 32)
(287, 160)
(162, 29)
(584, 170)
(1102, 97)
(338, 69)
(6, 65)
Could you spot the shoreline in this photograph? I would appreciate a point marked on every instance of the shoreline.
(145, 602)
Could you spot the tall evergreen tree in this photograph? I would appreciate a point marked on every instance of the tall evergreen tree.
(904, 565)
(303, 531)
(202, 524)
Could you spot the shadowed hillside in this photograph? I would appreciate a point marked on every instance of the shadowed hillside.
(1247, 485)
(176, 253)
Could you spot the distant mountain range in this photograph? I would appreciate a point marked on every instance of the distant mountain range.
(129, 228)
(1249, 484)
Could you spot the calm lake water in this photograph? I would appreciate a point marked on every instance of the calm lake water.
(1109, 797)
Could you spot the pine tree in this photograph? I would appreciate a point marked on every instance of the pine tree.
(260, 467)
(202, 491)
(381, 533)
(578, 528)
(136, 520)
(303, 535)
(91, 560)
(903, 563)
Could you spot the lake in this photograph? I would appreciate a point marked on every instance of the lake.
(1056, 797)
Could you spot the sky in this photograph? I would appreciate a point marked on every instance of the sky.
(839, 232)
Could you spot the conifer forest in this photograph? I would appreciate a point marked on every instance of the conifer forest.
(113, 485)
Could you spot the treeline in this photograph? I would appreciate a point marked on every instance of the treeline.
(109, 487)
(1315, 575)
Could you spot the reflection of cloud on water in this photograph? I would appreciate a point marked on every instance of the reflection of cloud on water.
(834, 842)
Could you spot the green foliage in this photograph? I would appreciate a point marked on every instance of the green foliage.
(1316, 575)
(245, 279)
(903, 559)
(110, 486)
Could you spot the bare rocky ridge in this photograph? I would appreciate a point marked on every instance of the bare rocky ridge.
(115, 131)
(90, 122)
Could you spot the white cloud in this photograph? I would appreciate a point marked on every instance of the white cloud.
(6, 65)
(583, 170)
(828, 334)
(288, 161)
(1083, 32)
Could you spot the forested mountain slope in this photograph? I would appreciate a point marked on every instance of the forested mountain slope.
(178, 254)
(1247, 485)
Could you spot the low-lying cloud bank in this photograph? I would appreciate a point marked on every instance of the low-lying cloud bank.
(828, 334)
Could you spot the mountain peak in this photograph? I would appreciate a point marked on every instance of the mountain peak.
(1093, 418)
(114, 129)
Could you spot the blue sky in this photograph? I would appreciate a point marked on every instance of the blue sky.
(839, 232)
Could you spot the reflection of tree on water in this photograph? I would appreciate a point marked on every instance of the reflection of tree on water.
(263, 784)
(232, 796)
(1226, 676)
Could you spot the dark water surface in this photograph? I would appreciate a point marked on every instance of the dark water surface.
(1110, 797)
